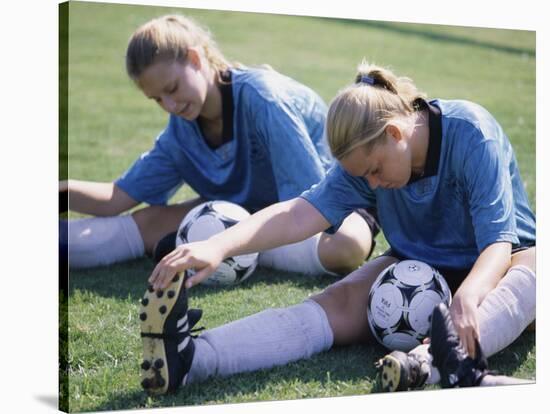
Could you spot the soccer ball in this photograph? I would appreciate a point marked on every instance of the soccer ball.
(401, 302)
(210, 218)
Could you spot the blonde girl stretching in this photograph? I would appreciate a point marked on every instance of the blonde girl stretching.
(442, 175)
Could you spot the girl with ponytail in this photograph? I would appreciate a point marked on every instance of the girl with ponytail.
(444, 179)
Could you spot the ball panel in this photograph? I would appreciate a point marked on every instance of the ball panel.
(223, 276)
(413, 272)
(443, 287)
(401, 341)
(246, 260)
(204, 227)
(420, 310)
(230, 210)
(386, 304)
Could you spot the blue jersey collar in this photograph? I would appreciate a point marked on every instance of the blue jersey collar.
(435, 139)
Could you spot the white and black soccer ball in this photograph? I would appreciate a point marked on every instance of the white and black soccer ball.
(211, 218)
(401, 302)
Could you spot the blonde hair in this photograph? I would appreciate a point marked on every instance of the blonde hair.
(168, 38)
(360, 113)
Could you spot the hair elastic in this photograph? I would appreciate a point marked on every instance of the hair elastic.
(366, 79)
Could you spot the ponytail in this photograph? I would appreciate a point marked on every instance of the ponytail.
(360, 113)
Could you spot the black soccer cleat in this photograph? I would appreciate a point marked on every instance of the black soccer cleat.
(399, 371)
(164, 246)
(456, 367)
(168, 346)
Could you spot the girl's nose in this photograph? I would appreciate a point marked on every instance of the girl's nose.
(168, 104)
(373, 182)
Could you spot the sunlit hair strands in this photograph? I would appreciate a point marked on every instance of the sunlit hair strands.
(360, 113)
(168, 38)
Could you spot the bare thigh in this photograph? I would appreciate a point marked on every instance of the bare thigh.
(345, 302)
(526, 258)
(155, 222)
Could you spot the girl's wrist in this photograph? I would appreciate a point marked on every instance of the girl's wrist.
(218, 244)
(467, 295)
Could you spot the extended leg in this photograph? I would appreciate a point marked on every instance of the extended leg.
(269, 338)
(101, 241)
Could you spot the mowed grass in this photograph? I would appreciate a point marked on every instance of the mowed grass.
(110, 124)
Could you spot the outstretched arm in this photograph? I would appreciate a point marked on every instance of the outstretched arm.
(279, 224)
(98, 199)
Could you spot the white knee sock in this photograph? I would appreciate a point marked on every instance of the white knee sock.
(270, 338)
(101, 241)
(301, 257)
(493, 380)
(421, 351)
(507, 310)
(503, 315)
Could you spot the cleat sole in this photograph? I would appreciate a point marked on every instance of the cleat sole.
(157, 376)
(393, 374)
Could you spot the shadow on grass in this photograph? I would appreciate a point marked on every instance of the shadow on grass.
(512, 357)
(416, 30)
(333, 372)
(129, 280)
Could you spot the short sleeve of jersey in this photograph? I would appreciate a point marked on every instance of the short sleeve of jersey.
(338, 195)
(490, 194)
(153, 178)
(296, 163)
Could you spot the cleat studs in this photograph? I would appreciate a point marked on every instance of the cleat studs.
(146, 383)
(159, 363)
(143, 316)
(150, 288)
(144, 301)
(145, 365)
(162, 309)
(171, 294)
(176, 278)
(385, 376)
(161, 382)
(160, 293)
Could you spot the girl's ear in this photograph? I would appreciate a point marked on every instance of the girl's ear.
(195, 57)
(394, 132)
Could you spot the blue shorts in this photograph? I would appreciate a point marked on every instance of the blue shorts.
(371, 218)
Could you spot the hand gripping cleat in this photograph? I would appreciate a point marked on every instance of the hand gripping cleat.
(456, 367)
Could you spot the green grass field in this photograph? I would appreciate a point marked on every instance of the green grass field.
(110, 124)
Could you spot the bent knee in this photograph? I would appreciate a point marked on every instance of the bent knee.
(343, 253)
(346, 313)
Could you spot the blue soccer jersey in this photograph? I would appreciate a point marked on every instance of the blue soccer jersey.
(474, 196)
(277, 148)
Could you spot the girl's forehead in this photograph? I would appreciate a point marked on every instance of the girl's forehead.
(157, 74)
